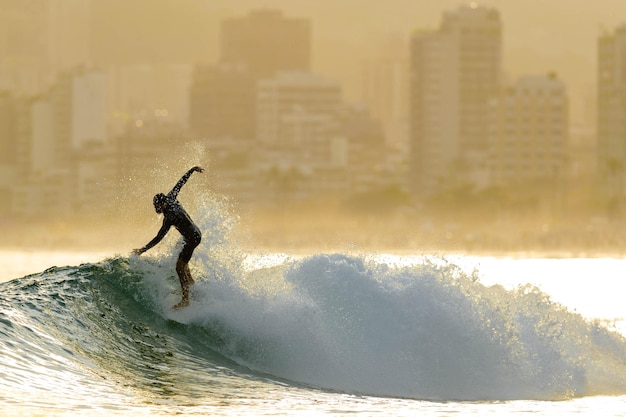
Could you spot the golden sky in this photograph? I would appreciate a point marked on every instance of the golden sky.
(539, 35)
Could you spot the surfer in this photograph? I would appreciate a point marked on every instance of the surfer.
(175, 215)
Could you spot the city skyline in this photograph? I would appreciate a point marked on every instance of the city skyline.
(237, 48)
(356, 155)
(538, 37)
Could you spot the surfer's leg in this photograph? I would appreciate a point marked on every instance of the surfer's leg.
(185, 257)
(181, 269)
(190, 280)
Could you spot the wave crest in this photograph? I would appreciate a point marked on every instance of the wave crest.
(342, 322)
(425, 331)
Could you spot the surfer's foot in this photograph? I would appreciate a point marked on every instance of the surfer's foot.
(183, 303)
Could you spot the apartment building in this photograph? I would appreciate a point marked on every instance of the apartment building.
(223, 102)
(611, 128)
(266, 42)
(454, 71)
(529, 133)
(70, 115)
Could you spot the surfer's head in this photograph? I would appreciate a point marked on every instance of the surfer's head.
(159, 202)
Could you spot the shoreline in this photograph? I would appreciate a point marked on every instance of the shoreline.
(333, 235)
(291, 250)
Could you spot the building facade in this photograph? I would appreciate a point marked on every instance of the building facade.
(611, 128)
(385, 90)
(298, 112)
(529, 133)
(223, 102)
(39, 39)
(454, 71)
(299, 131)
(142, 90)
(266, 42)
(9, 147)
(71, 115)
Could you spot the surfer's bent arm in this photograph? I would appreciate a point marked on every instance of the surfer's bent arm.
(174, 193)
(160, 235)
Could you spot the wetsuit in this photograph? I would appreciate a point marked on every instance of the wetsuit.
(175, 215)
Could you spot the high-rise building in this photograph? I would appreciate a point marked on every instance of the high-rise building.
(611, 150)
(9, 144)
(141, 90)
(385, 90)
(71, 115)
(73, 112)
(8, 128)
(48, 186)
(266, 42)
(223, 103)
(39, 39)
(89, 108)
(454, 72)
(529, 133)
(23, 48)
(297, 110)
(299, 130)
(223, 97)
(366, 150)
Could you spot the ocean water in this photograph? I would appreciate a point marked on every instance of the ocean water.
(365, 334)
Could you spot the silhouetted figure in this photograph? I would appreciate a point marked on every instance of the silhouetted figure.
(175, 215)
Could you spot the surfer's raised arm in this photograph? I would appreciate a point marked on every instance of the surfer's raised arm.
(174, 193)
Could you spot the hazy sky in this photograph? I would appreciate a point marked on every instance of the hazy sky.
(539, 35)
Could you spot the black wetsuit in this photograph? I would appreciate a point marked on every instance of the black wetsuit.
(175, 215)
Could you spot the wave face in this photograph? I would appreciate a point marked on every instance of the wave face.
(338, 322)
